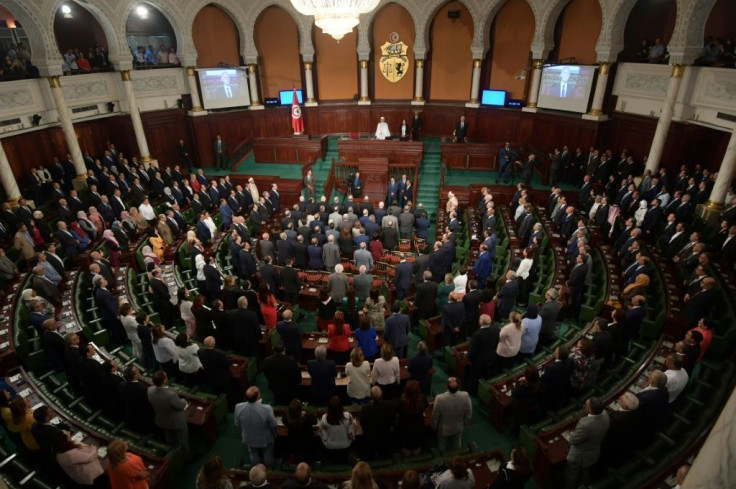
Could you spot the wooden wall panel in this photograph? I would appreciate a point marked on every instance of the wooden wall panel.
(163, 130)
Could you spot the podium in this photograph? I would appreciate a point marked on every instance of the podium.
(374, 172)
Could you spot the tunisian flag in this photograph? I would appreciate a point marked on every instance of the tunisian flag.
(297, 123)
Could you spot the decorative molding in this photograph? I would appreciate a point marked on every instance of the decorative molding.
(723, 91)
(15, 99)
(92, 89)
(649, 84)
(163, 83)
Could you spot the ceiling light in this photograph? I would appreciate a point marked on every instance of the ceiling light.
(335, 17)
(141, 11)
(66, 9)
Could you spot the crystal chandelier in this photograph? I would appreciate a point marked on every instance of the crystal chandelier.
(335, 17)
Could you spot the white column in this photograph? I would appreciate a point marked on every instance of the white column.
(596, 108)
(364, 99)
(419, 83)
(196, 102)
(135, 117)
(531, 105)
(725, 175)
(255, 103)
(8, 179)
(665, 118)
(475, 84)
(67, 126)
(309, 82)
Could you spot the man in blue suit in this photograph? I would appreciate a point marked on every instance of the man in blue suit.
(203, 232)
(323, 373)
(422, 224)
(505, 156)
(291, 335)
(396, 332)
(483, 266)
(507, 295)
(393, 191)
(226, 212)
(402, 277)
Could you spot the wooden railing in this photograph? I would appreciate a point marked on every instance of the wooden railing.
(330, 182)
(240, 151)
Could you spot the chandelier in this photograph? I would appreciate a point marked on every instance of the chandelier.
(335, 17)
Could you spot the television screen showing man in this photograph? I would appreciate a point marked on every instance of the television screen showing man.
(223, 88)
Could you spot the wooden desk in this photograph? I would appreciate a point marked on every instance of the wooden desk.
(289, 150)
(404, 152)
(313, 339)
(22, 383)
(469, 156)
(8, 307)
(341, 381)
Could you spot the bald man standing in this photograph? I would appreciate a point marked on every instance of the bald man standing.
(257, 426)
(303, 479)
(451, 415)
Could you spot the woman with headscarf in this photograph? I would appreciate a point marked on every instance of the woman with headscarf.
(113, 247)
(641, 212)
(96, 219)
(30, 297)
(199, 264)
(128, 223)
(157, 244)
(150, 256)
(87, 225)
(140, 222)
(639, 287)
(79, 234)
(169, 197)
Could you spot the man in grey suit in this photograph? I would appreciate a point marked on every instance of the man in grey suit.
(451, 415)
(257, 426)
(362, 283)
(406, 223)
(330, 254)
(585, 443)
(169, 411)
(363, 257)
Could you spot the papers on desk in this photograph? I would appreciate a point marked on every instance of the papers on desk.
(659, 359)
(566, 435)
(101, 452)
(305, 375)
(78, 437)
(40, 404)
(322, 340)
(614, 406)
(25, 393)
(635, 389)
(312, 289)
(55, 420)
(4, 345)
(667, 344)
(494, 465)
(280, 421)
(15, 378)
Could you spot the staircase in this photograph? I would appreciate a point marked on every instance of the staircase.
(321, 168)
(429, 180)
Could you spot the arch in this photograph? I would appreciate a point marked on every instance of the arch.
(686, 42)
(450, 68)
(44, 54)
(335, 81)
(210, 37)
(720, 19)
(578, 28)
(232, 8)
(510, 46)
(614, 13)
(365, 28)
(83, 30)
(277, 43)
(430, 11)
(546, 13)
(492, 7)
(303, 25)
(648, 20)
(392, 17)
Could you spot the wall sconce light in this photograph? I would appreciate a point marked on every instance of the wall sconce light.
(36, 119)
(111, 106)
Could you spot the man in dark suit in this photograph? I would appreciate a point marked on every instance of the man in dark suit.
(377, 418)
(585, 443)
(652, 218)
(699, 304)
(554, 385)
(623, 435)
(634, 317)
(676, 242)
(290, 282)
(270, 276)
(568, 224)
(471, 301)
(137, 411)
(653, 405)
(402, 277)
(162, 298)
(283, 374)
(453, 318)
(72, 359)
(221, 155)
(68, 241)
(426, 296)
(322, 373)
(461, 130)
(169, 414)
(390, 236)
(43, 286)
(396, 331)
(53, 344)
(482, 351)
(291, 335)
(576, 283)
(109, 309)
(216, 366)
(184, 155)
(527, 223)
(246, 331)
(507, 295)
(93, 378)
(685, 210)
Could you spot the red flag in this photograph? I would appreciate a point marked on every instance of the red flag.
(296, 115)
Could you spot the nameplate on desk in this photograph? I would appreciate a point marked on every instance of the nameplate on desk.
(567, 434)
(305, 375)
(55, 420)
(312, 289)
(322, 340)
(25, 393)
(200, 408)
(78, 437)
(40, 404)
(280, 421)
(4, 345)
(493, 465)
(101, 452)
(15, 378)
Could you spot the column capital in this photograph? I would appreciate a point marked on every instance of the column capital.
(678, 70)
(125, 75)
(537, 64)
(477, 63)
(54, 81)
(604, 67)
(308, 65)
(419, 63)
(363, 64)
(252, 68)
(191, 70)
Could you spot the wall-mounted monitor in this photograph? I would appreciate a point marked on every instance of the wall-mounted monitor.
(566, 87)
(223, 88)
(494, 98)
(286, 96)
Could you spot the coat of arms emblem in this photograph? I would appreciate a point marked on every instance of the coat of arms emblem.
(394, 62)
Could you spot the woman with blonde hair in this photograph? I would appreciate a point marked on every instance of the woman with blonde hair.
(509, 340)
(140, 222)
(213, 475)
(126, 470)
(443, 292)
(361, 478)
(386, 372)
(358, 372)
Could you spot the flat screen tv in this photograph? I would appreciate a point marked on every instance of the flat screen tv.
(494, 98)
(285, 97)
(566, 87)
(223, 88)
